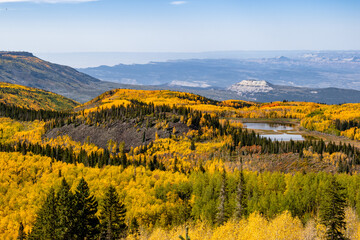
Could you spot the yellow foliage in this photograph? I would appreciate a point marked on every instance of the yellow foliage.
(12, 131)
(33, 98)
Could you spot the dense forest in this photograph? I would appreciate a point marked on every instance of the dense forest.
(212, 182)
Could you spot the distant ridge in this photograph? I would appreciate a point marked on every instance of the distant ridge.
(10, 54)
(25, 69)
(262, 91)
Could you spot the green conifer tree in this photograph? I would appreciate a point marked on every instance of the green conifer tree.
(47, 219)
(112, 216)
(66, 211)
(86, 223)
(241, 204)
(192, 145)
(332, 210)
(221, 215)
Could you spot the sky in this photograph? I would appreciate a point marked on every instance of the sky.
(178, 26)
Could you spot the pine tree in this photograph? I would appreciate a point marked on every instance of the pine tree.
(134, 227)
(21, 233)
(46, 219)
(241, 204)
(112, 216)
(86, 223)
(332, 210)
(220, 216)
(66, 211)
(192, 145)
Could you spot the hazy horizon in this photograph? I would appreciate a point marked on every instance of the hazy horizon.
(95, 59)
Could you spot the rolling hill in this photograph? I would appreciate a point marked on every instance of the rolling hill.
(33, 98)
(25, 69)
(163, 156)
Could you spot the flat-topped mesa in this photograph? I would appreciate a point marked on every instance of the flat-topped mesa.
(251, 86)
(23, 54)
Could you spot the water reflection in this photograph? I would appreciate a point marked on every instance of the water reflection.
(277, 131)
(284, 137)
(269, 126)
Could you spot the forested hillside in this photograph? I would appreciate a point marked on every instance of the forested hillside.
(150, 164)
(33, 98)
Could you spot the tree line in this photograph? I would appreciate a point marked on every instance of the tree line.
(25, 114)
(69, 216)
(343, 125)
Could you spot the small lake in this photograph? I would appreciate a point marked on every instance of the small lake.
(276, 131)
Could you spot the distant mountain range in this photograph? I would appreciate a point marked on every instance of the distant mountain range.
(312, 70)
(25, 69)
(216, 79)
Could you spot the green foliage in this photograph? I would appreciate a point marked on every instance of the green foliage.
(86, 222)
(65, 215)
(221, 215)
(332, 210)
(24, 114)
(66, 212)
(192, 145)
(112, 216)
(47, 219)
(241, 198)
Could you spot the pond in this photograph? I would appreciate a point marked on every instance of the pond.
(276, 131)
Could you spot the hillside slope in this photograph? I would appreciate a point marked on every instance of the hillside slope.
(117, 97)
(25, 69)
(33, 98)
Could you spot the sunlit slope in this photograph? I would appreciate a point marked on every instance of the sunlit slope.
(33, 98)
(158, 97)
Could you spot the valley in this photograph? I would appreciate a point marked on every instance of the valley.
(171, 148)
(179, 120)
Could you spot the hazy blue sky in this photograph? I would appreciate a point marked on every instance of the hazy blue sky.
(178, 26)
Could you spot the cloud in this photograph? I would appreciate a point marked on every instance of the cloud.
(47, 1)
(178, 2)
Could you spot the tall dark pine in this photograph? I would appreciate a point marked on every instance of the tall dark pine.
(332, 210)
(220, 216)
(241, 204)
(66, 211)
(192, 145)
(21, 234)
(112, 216)
(46, 219)
(86, 223)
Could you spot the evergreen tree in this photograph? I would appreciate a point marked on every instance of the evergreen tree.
(192, 145)
(21, 233)
(220, 216)
(66, 211)
(240, 208)
(332, 210)
(46, 219)
(86, 223)
(134, 227)
(112, 216)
